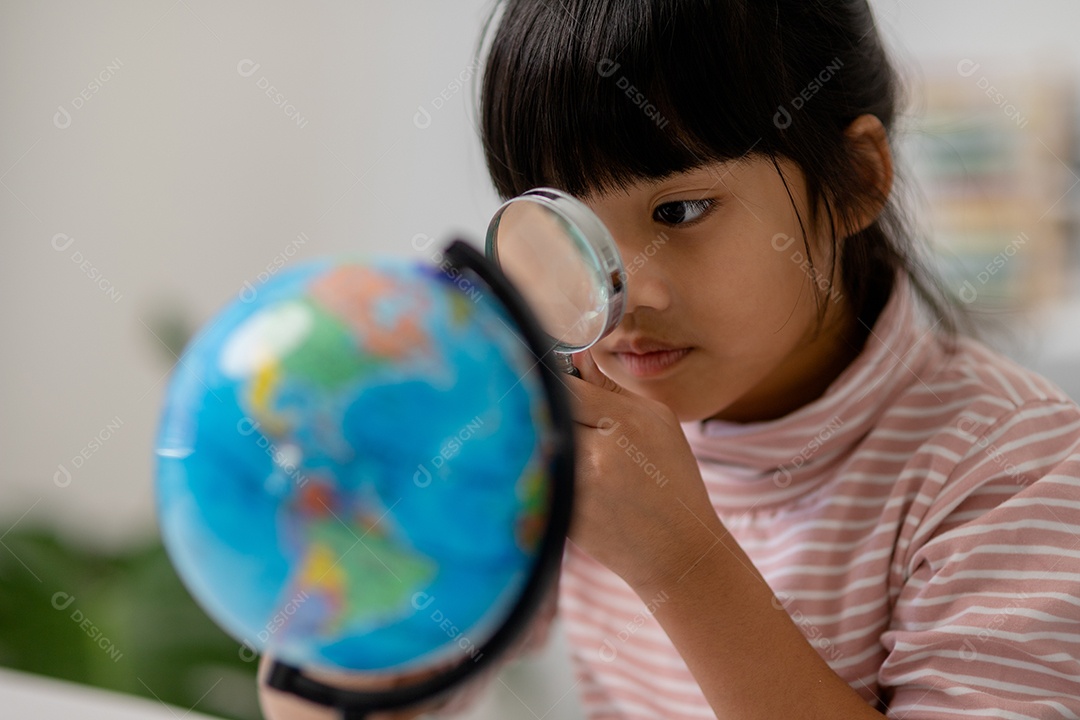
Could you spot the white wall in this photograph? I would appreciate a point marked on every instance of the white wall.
(983, 29)
(178, 180)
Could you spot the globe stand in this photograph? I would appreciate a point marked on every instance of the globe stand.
(463, 263)
(353, 705)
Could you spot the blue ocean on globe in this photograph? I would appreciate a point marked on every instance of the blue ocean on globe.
(351, 466)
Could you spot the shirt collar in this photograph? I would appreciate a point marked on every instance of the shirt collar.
(778, 460)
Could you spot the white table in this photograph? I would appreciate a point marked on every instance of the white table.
(42, 698)
(539, 686)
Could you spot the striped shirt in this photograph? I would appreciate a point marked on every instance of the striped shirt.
(920, 523)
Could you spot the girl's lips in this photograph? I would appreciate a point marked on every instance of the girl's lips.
(650, 364)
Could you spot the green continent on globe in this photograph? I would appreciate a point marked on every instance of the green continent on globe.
(359, 296)
(328, 356)
(353, 574)
(531, 491)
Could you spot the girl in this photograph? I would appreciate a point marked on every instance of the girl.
(802, 493)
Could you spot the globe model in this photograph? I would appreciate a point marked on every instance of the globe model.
(351, 466)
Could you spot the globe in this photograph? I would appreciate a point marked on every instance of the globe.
(353, 466)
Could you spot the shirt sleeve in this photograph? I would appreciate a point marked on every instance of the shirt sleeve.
(986, 621)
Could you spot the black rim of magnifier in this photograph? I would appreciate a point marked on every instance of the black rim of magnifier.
(461, 261)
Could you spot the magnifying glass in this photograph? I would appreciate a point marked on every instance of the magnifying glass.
(564, 262)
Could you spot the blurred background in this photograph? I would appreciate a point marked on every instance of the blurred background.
(156, 156)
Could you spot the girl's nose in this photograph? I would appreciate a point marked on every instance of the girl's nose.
(647, 283)
(642, 250)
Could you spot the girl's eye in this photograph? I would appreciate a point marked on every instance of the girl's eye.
(682, 212)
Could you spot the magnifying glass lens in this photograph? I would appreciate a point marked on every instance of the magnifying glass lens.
(542, 253)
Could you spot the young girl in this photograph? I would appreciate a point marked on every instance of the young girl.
(800, 492)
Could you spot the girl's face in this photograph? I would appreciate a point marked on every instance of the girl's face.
(722, 306)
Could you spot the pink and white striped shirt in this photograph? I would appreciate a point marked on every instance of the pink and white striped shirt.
(920, 523)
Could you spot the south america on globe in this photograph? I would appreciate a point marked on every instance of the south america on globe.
(351, 466)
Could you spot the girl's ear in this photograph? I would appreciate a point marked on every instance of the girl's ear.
(871, 157)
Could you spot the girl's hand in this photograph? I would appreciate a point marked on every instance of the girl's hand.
(641, 507)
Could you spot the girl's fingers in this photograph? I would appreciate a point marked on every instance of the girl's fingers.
(599, 398)
(585, 364)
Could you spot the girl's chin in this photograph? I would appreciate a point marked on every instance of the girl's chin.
(690, 403)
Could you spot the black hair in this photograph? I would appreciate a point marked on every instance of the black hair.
(593, 95)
